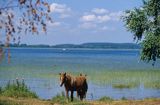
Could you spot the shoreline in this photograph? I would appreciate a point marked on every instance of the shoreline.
(32, 101)
(109, 49)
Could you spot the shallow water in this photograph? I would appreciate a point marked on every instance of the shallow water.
(40, 68)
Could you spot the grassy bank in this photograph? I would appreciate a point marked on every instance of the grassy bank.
(29, 101)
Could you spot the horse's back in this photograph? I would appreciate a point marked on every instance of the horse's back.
(81, 82)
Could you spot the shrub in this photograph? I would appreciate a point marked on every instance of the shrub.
(17, 89)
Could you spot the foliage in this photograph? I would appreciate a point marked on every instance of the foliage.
(17, 89)
(144, 23)
(22, 16)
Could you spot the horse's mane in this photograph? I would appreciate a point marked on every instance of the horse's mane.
(71, 78)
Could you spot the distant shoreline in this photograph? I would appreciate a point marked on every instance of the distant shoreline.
(82, 46)
(70, 48)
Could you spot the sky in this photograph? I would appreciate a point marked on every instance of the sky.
(82, 21)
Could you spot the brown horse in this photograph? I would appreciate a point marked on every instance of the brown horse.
(72, 84)
(81, 93)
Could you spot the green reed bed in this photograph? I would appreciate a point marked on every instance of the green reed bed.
(126, 79)
(115, 78)
(105, 98)
(17, 89)
(153, 84)
(121, 86)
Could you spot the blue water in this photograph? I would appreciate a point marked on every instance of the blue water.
(40, 68)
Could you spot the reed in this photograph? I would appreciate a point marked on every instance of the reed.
(17, 89)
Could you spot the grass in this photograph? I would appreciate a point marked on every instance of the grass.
(148, 77)
(62, 100)
(126, 78)
(103, 101)
(122, 86)
(153, 84)
(22, 101)
(105, 98)
(17, 89)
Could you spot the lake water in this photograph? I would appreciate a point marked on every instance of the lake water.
(40, 67)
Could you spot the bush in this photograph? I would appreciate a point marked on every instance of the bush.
(17, 89)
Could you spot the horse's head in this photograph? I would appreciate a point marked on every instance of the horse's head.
(62, 78)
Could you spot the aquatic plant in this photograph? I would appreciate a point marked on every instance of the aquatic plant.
(124, 98)
(126, 78)
(105, 98)
(17, 89)
(122, 86)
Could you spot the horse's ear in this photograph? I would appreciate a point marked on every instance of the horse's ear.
(85, 75)
(59, 73)
(65, 73)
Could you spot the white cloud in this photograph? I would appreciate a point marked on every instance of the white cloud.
(88, 18)
(87, 25)
(59, 8)
(62, 9)
(106, 28)
(100, 15)
(99, 10)
(103, 18)
(116, 15)
(54, 24)
(95, 18)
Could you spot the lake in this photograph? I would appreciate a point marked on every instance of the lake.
(105, 70)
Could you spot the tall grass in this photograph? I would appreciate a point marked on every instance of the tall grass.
(17, 89)
(126, 78)
(105, 98)
(62, 100)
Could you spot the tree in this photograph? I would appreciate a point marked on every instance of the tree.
(144, 23)
(21, 16)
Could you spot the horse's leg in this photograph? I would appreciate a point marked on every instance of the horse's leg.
(85, 94)
(81, 96)
(77, 94)
(67, 94)
(72, 95)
